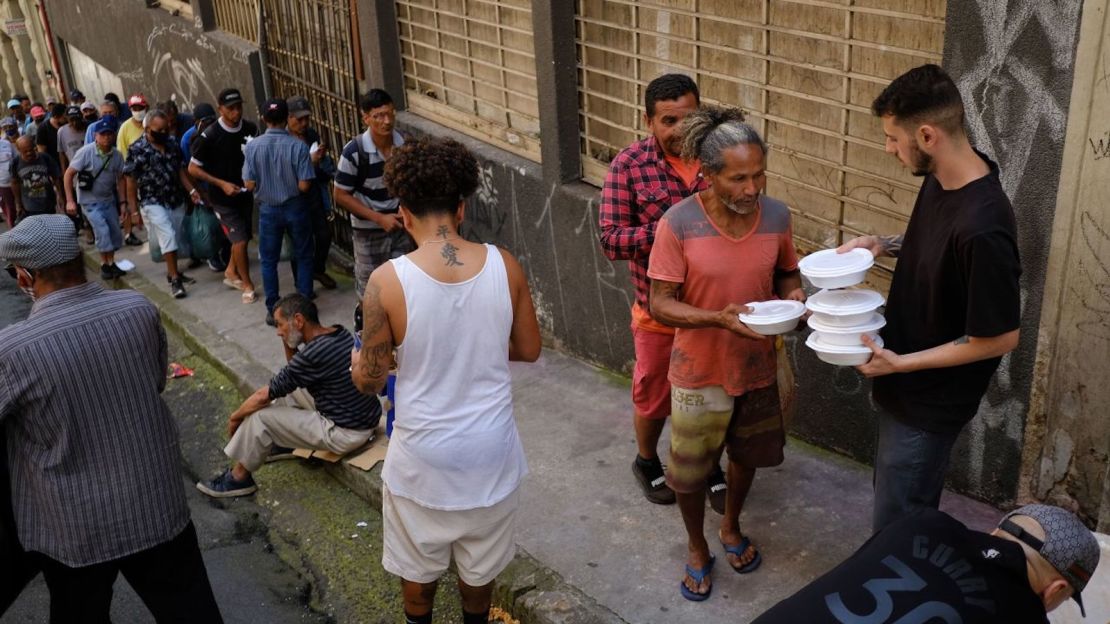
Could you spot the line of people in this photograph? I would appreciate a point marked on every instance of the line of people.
(686, 206)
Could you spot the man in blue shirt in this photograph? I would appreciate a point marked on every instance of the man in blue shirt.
(278, 170)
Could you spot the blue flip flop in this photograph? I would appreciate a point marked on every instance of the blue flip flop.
(739, 550)
(698, 576)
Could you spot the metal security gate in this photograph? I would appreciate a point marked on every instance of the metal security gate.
(311, 49)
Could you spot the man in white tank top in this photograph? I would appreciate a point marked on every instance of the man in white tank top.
(456, 312)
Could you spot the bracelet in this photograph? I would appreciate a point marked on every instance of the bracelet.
(193, 192)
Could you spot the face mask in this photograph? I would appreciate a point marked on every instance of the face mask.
(10, 132)
(159, 137)
(139, 114)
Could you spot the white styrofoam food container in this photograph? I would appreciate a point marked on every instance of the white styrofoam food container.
(853, 306)
(841, 355)
(771, 318)
(829, 269)
(849, 335)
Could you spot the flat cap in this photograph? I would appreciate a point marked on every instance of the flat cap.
(40, 241)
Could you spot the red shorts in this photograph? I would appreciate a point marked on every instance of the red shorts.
(651, 391)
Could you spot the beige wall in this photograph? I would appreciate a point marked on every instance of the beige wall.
(25, 59)
(1068, 438)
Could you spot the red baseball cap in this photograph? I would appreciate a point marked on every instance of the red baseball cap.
(37, 111)
(137, 100)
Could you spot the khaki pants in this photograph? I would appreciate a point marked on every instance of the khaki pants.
(295, 425)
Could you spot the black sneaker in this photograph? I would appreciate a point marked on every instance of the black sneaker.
(215, 266)
(225, 486)
(118, 271)
(270, 319)
(106, 272)
(280, 453)
(132, 240)
(325, 280)
(717, 489)
(185, 279)
(177, 288)
(652, 481)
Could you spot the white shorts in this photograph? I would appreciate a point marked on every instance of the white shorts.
(419, 542)
(165, 222)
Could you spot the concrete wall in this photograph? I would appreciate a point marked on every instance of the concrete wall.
(25, 65)
(1068, 435)
(157, 53)
(1013, 62)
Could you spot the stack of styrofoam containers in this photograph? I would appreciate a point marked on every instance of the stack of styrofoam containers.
(842, 315)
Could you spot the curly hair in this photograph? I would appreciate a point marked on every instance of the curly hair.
(712, 129)
(431, 176)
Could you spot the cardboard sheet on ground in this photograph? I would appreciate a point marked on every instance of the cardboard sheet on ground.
(364, 458)
(372, 454)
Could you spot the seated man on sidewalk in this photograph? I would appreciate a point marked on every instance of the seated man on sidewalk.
(336, 418)
(928, 567)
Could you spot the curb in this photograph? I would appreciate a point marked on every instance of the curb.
(531, 592)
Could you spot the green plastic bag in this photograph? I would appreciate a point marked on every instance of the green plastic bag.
(204, 233)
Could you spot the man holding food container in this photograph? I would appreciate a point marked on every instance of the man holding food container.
(713, 252)
(955, 302)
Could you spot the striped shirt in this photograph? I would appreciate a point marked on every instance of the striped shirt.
(323, 367)
(275, 162)
(92, 447)
(372, 193)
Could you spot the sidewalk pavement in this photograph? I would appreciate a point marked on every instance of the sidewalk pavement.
(582, 513)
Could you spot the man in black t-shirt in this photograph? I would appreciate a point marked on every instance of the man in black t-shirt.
(928, 567)
(217, 160)
(46, 137)
(955, 304)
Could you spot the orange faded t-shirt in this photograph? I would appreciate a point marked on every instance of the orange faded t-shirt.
(714, 271)
(687, 170)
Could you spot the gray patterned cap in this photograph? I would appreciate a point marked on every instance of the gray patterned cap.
(1068, 545)
(40, 241)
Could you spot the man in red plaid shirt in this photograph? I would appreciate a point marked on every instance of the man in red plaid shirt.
(644, 180)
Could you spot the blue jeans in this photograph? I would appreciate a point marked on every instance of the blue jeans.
(273, 223)
(909, 469)
(104, 220)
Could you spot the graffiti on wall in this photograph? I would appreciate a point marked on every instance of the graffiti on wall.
(185, 75)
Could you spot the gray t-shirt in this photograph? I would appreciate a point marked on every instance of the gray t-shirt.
(90, 159)
(70, 140)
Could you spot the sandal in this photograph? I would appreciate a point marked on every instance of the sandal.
(739, 551)
(234, 284)
(249, 296)
(698, 576)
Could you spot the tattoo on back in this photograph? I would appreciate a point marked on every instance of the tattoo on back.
(962, 340)
(450, 254)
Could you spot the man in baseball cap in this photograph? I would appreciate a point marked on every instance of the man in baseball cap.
(1050, 535)
(76, 98)
(132, 129)
(319, 199)
(229, 97)
(928, 566)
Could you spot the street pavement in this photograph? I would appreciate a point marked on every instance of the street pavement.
(582, 513)
(250, 582)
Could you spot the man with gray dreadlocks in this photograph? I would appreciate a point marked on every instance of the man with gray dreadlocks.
(714, 251)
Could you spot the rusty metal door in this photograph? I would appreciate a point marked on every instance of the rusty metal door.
(312, 49)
